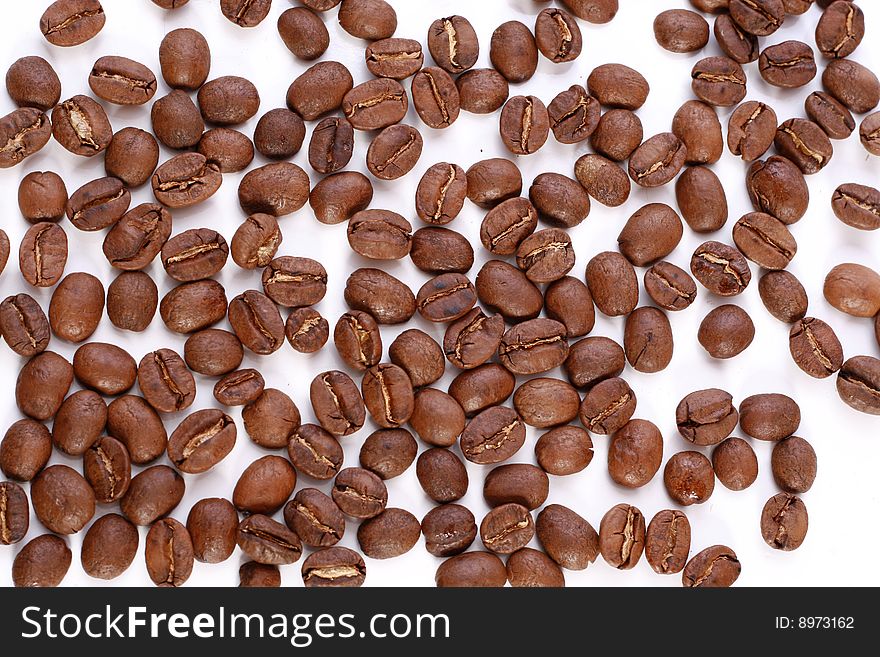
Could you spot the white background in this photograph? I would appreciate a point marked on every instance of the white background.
(842, 503)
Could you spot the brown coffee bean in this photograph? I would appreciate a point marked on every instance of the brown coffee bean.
(441, 193)
(258, 575)
(758, 17)
(80, 124)
(857, 206)
(368, 19)
(336, 567)
(481, 388)
(616, 85)
(545, 402)
(26, 130)
(567, 537)
(63, 501)
(393, 58)
(545, 256)
(593, 11)
(521, 484)
(136, 425)
(736, 43)
(315, 518)
(446, 297)
(784, 522)
(330, 149)
(852, 84)
(706, 417)
(357, 340)
(257, 322)
(778, 187)
(359, 493)
(239, 388)
(751, 130)
(315, 452)
(256, 241)
(42, 255)
(804, 143)
(472, 569)
(783, 296)
(439, 250)
(388, 453)
(379, 234)
(701, 199)
(613, 283)
(507, 528)
(374, 105)
(769, 416)
(435, 97)
(534, 346)
(719, 81)
(295, 282)
(337, 403)
(442, 475)
(669, 286)
(794, 465)
(212, 524)
(70, 23)
(696, 124)
(107, 468)
(482, 90)
(765, 240)
(228, 149)
(271, 419)
(276, 189)
(42, 562)
(213, 352)
(388, 395)
(680, 30)
(524, 125)
(622, 536)
(23, 325)
(858, 382)
(194, 254)
(437, 418)
(79, 422)
(340, 196)
(592, 360)
(726, 331)
(569, 301)
(558, 36)
(789, 64)
(98, 204)
(815, 348)
(490, 182)
(194, 306)
(245, 13)
(504, 288)
(493, 436)
(228, 100)
(136, 239)
(714, 567)
(32, 82)
(268, 542)
(604, 180)
(721, 269)
(574, 115)
(658, 160)
(667, 542)
(635, 453)
(186, 180)
(303, 32)
(453, 43)
(279, 134)
(513, 51)
(185, 59)
(42, 384)
(109, 547)
(122, 81)
(449, 529)
(618, 133)
(651, 233)
(840, 30)
(735, 464)
(320, 89)
(394, 152)
(25, 450)
(505, 226)
(201, 441)
(608, 406)
(419, 356)
(165, 381)
(689, 478)
(264, 486)
(387, 299)
(564, 450)
(853, 289)
(132, 299)
(14, 515)
(42, 196)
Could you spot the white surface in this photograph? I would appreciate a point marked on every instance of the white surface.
(843, 501)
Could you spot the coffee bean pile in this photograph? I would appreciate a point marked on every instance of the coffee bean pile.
(507, 332)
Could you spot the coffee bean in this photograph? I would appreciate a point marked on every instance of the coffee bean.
(228, 100)
(335, 566)
(564, 450)
(546, 256)
(524, 124)
(376, 104)
(758, 17)
(70, 23)
(689, 478)
(453, 43)
(493, 436)
(256, 241)
(368, 19)
(185, 59)
(80, 124)
(719, 81)
(330, 149)
(279, 134)
(618, 133)
(751, 130)
(784, 522)
(122, 81)
(658, 160)
(567, 537)
(696, 124)
(25, 130)
(593, 11)
(613, 283)
(109, 547)
(194, 306)
(869, 133)
(419, 356)
(440, 250)
(319, 89)
(574, 114)
(245, 13)
(721, 269)
(507, 528)
(42, 385)
(714, 567)
(485, 386)
(607, 406)
(271, 419)
(43, 254)
(165, 381)
(394, 152)
(194, 254)
(152, 494)
(706, 417)
(569, 301)
(379, 234)
(815, 348)
(268, 542)
(437, 418)
(680, 30)
(315, 518)
(794, 465)
(520, 484)
(853, 289)
(392, 533)
(852, 84)
(277, 189)
(504, 288)
(107, 468)
(257, 322)
(651, 233)
(315, 452)
(701, 199)
(534, 346)
(592, 360)
(258, 575)
(23, 325)
(393, 58)
(201, 441)
(79, 422)
(783, 296)
(840, 30)
(239, 388)
(669, 286)
(778, 187)
(505, 226)
(804, 143)
(858, 383)
(186, 180)
(558, 36)
(25, 449)
(473, 569)
(337, 403)
(388, 395)
(667, 542)
(513, 51)
(440, 194)
(493, 181)
(98, 204)
(388, 453)
(295, 282)
(63, 501)
(132, 156)
(726, 331)
(340, 196)
(14, 513)
(449, 529)
(736, 43)
(32, 82)
(357, 340)
(446, 297)
(264, 486)
(359, 493)
(42, 196)
(212, 524)
(622, 536)
(546, 402)
(387, 299)
(42, 562)
(604, 180)
(435, 97)
(230, 150)
(635, 453)
(616, 85)
(735, 464)
(132, 299)
(481, 90)
(789, 64)
(303, 32)
(765, 240)
(136, 425)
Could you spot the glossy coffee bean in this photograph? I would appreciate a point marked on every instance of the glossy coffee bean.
(635, 453)
(393, 58)
(334, 567)
(815, 348)
(388, 395)
(608, 406)
(592, 360)
(696, 124)
(680, 30)
(857, 206)
(564, 450)
(337, 403)
(70, 23)
(63, 500)
(42, 255)
(194, 306)
(264, 486)
(622, 536)
(714, 567)
(136, 425)
(482, 387)
(152, 494)
(256, 321)
(669, 286)
(507, 528)
(98, 204)
(212, 524)
(392, 533)
(616, 85)
(315, 452)
(32, 82)
(42, 196)
(43, 562)
(840, 30)
(481, 90)
(566, 537)
(689, 478)
(853, 289)
(165, 381)
(789, 64)
(784, 522)
(271, 419)
(109, 547)
(417, 354)
(545, 402)
(558, 36)
(79, 422)
(42, 384)
(668, 542)
(386, 298)
(441, 193)
(201, 441)
(185, 59)
(524, 124)
(23, 325)
(359, 493)
(751, 130)
(267, 541)
(493, 436)
(706, 417)
(388, 453)
(229, 149)
(437, 250)
(239, 388)
(518, 483)
(726, 331)
(858, 382)
(107, 468)
(735, 464)
(315, 518)
(721, 268)
(278, 189)
(25, 450)
(613, 283)
(794, 465)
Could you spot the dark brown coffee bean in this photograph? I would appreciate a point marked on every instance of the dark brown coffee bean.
(388, 395)
(736, 43)
(376, 104)
(334, 567)
(545, 402)
(107, 468)
(658, 160)
(419, 356)
(109, 547)
(201, 441)
(257, 322)
(534, 346)
(388, 453)
(765, 240)
(32, 82)
(680, 30)
(858, 383)
(482, 90)
(303, 32)
(840, 30)
(23, 325)
(186, 180)
(558, 36)
(608, 406)
(721, 269)
(593, 11)
(604, 180)
(228, 149)
(520, 484)
(493, 181)
(564, 450)
(276, 189)
(567, 537)
(651, 233)
(635, 453)
(228, 100)
(14, 515)
(137, 238)
(98, 204)
(493, 436)
(769, 416)
(42, 196)
(449, 529)
(439, 250)
(359, 493)
(616, 85)
(264, 486)
(735, 464)
(212, 524)
(592, 360)
(26, 130)
(473, 339)
(70, 23)
(295, 282)
(701, 199)
(804, 143)
(618, 133)
(670, 287)
(330, 149)
(473, 569)
(504, 288)
(783, 296)
(256, 241)
(245, 13)
(622, 536)
(25, 450)
(545, 256)
(394, 152)
(696, 124)
(751, 130)
(320, 89)
(239, 388)
(43, 254)
(315, 518)
(667, 542)
(42, 384)
(569, 301)
(869, 133)
(79, 422)
(505, 226)
(387, 299)
(165, 381)
(340, 196)
(852, 84)
(379, 234)
(815, 348)
(133, 422)
(758, 17)
(706, 417)
(435, 97)
(358, 341)
(259, 575)
(574, 114)
(63, 501)
(513, 51)
(453, 43)
(485, 386)
(194, 306)
(794, 465)
(185, 59)
(441, 193)
(393, 58)
(104, 367)
(271, 419)
(789, 64)
(80, 124)
(42, 562)
(714, 567)
(122, 81)
(315, 452)
(689, 478)
(446, 297)
(507, 528)
(390, 534)
(437, 418)
(132, 299)
(613, 283)
(279, 134)
(368, 19)
(778, 187)
(726, 331)
(337, 403)
(784, 522)
(524, 124)
(719, 81)
(268, 542)
(194, 254)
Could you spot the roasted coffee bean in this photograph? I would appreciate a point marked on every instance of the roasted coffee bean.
(736, 43)
(858, 383)
(482, 90)
(567, 537)
(622, 536)
(194, 306)
(230, 150)
(852, 84)
(564, 450)
(201, 441)
(368, 19)
(132, 299)
(840, 30)
(264, 486)
(472, 569)
(379, 234)
(335, 566)
(104, 367)
(194, 254)
(574, 114)
(667, 542)
(165, 381)
(295, 282)
(651, 233)
(239, 388)
(513, 51)
(502, 287)
(524, 124)
(493, 436)
(680, 30)
(245, 13)
(387, 299)
(98, 204)
(616, 85)
(80, 124)
(315, 518)
(815, 348)
(257, 322)
(608, 406)
(340, 196)
(545, 402)
(79, 422)
(635, 453)
(63, 501)
(794, 465)
(593, 11)
(804, 143)
(520, 484)
(277, 189)
(784, 522)
(388, 453)
(726, 331)
(14, 515)
(783, 296)
(714, 567)
(359, 493)
(493, 181)
(437, 418)
(592, 360)
(122, 81)
(689, 478)
(24, 326)
(315, 452)
(394, 152)
(26, 130)
(869, 133)
(268, 542)
(43, 254)
(604, 180)
(446, 297)
(337, 403)
(185, 59)
(228, 100)
(558, 36)
(212, 524)
(568, 301)
(442, 475)
(133, 422)
(271, 419)
(647, 340)
(613, 283)
(764, 240)
(42, 562)
(70, 23)
(473, 339)
(435, 97)
(853, 289)
(658, 160)
(388, 395)
(719, 81)
(789, 64)
(358, 341)
(439, 250)
(758, 17)
(185, 180)
(303, 32)
(320, 89)
(25, 450)
(259, 575)
(374, 105)
(507, 528)
(669, 286)
(706, 417)
(701, 199)
(778, 187)
(109, 547)
(857, 206)
(32, 82)
(751, 130)
(534, 346)
(481, 388)
(440, 194)
(453, 43)
(107, 468)
(330, 149)
(769, 416)
(545, 256)
(393, 58)
(42, 384)
(449, 529)
(256, 241)
(279, 134)
(735, 464)
(419, 356)
(721, 269)
(42, 196)
(618, 133)
(696, 124)
(797, 7)
(505, 226)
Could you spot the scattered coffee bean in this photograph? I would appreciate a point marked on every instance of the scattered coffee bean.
(719, 81)
(784, 522)
(668, 542)
(815, 347)
(109, 547)
(840, 30)
(257, 323)
(735, 464)
(714, 567)
(789, 64)
(303, 32)
(337, 403)
(681, 31)
(271, 419)
(751, 130)
(136, 425)
(315, 452)
(564, 450)
(24, 326)
(230, 150)
(42, 384)
(669, 286)
(14, 513)
(778, 188)
(701, 199)
(696, 124)
(70, 23)
(42, 196)
(279, 134)
(264, 486)
(388, 453)
(635, 453)
(268, 542)
(42, 562)
(32, 82)
(63, 500)
(42, 255)
(152, 494)
(25, 449)
(359, 493)
(335, 566)
(726, 331)
(315, 518)
(201, 441)
(706, 417)
(449, 529)
(783, 296)
(212, 524)
(613, 283)
(239, 388)
(567, 538)
(481, 90)
(622, 536)
(472, 569)
(524, 124)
